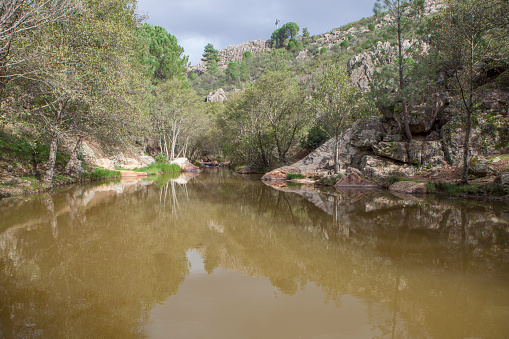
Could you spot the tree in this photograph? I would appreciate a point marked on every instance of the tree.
(396, 8)
(83, 81)
(467, 34)
(339, 104)
(233, 71)
(279, 36)
(292, 29)
(210, 53)
(263, 122)
(164, 57)
(178, 117)
(20, 18)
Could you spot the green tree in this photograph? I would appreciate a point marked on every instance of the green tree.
(396, 8)
(210, 53)
(279, 36)
(164, 58)
(178, 118)
(84, 82)
(467, 34)
(263, 122)
(339, 104)
(292, 29)
(233, 71)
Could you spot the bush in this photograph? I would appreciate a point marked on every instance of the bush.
(161, 159)
(316, 136)
(345, 44)
(323, 50)
(157, 168)
(291, 176)
(371, 26)
(100, 174)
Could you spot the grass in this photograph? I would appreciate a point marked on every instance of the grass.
(393, 178)
(291, 176)
(455, 189)
(100, 174)
(159, 167)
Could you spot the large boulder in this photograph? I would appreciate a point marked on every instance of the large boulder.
(423, 117)
(280, 173)
(503, 180)
(479, 166)
(185, 165)
(217, 96)
(394, 150)
(377, 168)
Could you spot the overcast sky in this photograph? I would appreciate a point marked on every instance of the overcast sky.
(196, 23)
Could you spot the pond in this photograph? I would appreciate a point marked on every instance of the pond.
(219, 255)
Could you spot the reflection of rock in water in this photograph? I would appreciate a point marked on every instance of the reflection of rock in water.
(366, 214)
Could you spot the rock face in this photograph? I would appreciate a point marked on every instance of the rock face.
(217, 96)
(185, 165)
(235, 53)
(408, 187)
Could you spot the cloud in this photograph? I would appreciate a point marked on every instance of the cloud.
(199, 22)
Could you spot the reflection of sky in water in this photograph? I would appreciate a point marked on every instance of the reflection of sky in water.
(196, 264)
(227, 304)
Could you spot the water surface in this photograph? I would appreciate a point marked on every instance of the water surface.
(219, 255)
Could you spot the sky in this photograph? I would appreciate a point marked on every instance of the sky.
(196, 23)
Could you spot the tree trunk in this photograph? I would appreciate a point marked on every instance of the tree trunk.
(262, 151)
(50, 165)
(406, 121)
(74, 164)
(336, 154)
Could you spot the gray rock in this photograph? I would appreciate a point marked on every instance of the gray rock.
(479, 166)
(217, 96)
(503, 180)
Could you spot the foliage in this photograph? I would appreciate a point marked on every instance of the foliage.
(465, 34)
(314, 138)
(338, 104)
(164, 58)
(262, 123)
(161, 159)
(291, 176)
(100, 174)
(159, 168)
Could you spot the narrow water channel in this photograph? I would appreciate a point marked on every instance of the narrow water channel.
(218, 255)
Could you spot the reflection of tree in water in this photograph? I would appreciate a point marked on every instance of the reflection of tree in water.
(415, 264)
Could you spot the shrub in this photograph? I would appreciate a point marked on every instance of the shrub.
(100, 174)
(291, 176)
(323, 50)
(371, 26)
(157, 168)
(161, 159)
(345, 44)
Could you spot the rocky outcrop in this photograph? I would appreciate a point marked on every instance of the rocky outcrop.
(361, 67)
(185, 165)
(235, 53)
(281, 173)
(503, 180)
(217, 96)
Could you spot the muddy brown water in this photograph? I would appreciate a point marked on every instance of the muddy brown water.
(218, 255)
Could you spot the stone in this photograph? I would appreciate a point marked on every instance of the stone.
(146, 160)
(479, 166)
(280, 173)
(185, 165)
(354, 180)
(218, 96)
(408, 187)
(104, 163)
(374, 167)
(422, 118)
(394, 150)
(503, 180)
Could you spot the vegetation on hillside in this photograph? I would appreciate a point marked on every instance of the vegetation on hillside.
(83, 69)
